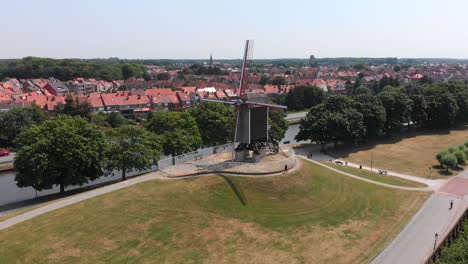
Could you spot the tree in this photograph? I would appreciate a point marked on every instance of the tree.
(449, 160)
(215, 122)
(361, 90)
(373, 112)
(163, 76)
(17, 120)
(263, 80)
(278, 124)
(279, 80)
(132, 147)
(418, 109)
(337, 118)
(397, 107)
(75, 107)
(63, 151)
(113, 119)
(179, 131)
(461, 157)
(304, 97)
(442, 106)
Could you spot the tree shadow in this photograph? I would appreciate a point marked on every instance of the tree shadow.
(236, 191)
(445, 172)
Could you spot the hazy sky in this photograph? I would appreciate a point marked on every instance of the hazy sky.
(194, 28)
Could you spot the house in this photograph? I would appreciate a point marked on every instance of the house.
(165, 99)
(127, 104)
(94, 100)
(81, 86)
(185, 100)
(56, 88)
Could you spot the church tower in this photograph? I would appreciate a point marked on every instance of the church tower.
(211, 61)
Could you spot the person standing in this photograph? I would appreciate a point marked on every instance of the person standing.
(451, 205)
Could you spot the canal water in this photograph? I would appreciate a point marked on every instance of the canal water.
(10, 193)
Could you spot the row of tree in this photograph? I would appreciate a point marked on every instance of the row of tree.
(68, 69)
(76, 147)
(453, 156)
(363, 114)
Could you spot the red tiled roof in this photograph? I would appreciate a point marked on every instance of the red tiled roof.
(123, 98)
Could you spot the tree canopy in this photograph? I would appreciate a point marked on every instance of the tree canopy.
(304, 97)
(337, 118)
(215, 122)
(278, 124)
(132, 147)
(179, 131)
(17, 120)
(62, 151)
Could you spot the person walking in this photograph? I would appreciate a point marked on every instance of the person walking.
(286, 168)
(451, 205)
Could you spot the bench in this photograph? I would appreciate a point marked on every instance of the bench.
(383, 172)
(198, 157)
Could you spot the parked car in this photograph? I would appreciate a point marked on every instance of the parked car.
(4, 153)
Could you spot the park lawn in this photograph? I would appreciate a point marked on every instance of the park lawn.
(313, 215)
(411, 153)
(376, 177)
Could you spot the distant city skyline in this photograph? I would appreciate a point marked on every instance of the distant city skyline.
(144, 29)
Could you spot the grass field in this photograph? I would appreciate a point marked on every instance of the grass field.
(313, 215)
(376, 177)
(408, 152)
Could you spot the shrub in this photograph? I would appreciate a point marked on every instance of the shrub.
(440, 155)
(452, 149)
(449, 160)
(461, 157)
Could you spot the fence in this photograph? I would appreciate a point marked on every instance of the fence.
(242, 167)
(448, 238)
(195, 155)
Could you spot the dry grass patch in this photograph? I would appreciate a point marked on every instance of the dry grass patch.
(409, 152)
(313, 215)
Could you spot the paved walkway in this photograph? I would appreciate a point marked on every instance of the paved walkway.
(317, 155)
(416, 241)
(429, 188)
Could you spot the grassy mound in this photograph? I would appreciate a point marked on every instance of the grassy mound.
(311, 216)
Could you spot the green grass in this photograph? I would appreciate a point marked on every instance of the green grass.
(376, 177)
(313, 215)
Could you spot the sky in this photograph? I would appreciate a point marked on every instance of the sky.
(192, 29)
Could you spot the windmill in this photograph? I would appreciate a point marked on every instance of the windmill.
(251, 127)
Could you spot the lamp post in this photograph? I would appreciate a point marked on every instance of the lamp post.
(371, 158)
(430, 170)
(435, 240)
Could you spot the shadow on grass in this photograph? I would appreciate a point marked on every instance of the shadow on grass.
(234, 189)
(445, 172)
